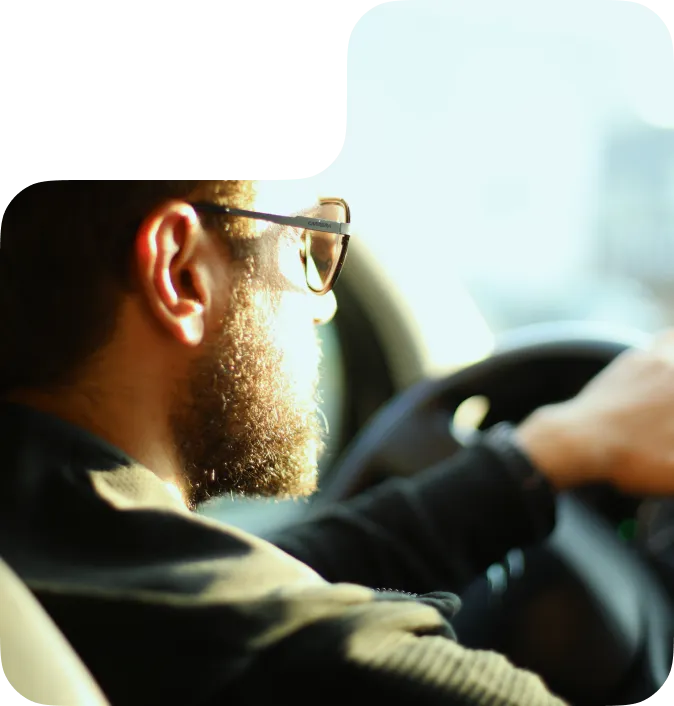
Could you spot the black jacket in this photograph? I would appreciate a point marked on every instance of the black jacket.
(166, 607)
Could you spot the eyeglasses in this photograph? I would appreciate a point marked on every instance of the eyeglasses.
(324, 237)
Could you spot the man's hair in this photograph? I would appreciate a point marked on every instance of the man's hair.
(65, 253)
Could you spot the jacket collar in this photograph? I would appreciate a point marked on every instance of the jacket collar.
(116, 477)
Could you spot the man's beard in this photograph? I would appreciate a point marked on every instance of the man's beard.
(245, 424)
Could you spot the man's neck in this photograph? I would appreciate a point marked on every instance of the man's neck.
(125, 424)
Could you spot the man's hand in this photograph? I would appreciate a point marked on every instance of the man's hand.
(619, 429)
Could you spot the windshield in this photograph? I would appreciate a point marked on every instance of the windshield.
(510, 166)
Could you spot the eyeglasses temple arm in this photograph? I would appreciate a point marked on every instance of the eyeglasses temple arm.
(295, 221)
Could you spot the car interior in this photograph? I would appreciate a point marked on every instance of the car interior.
(509, 243)
(596, 593)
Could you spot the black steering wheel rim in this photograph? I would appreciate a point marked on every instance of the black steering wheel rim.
(630, 644)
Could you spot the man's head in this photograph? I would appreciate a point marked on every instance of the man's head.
(187, 339)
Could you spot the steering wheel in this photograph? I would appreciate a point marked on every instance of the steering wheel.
(585, 610)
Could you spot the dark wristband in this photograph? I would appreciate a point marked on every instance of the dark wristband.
(537, 491)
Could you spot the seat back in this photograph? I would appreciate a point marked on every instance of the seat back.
(37, 659)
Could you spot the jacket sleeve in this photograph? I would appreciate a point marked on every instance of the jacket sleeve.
(435, 531)
(389, 653)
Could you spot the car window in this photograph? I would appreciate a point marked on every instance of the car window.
(510, 163)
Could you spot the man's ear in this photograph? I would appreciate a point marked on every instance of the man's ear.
(172, 267)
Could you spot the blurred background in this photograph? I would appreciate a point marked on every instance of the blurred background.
(524, 149)
(506, 164)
